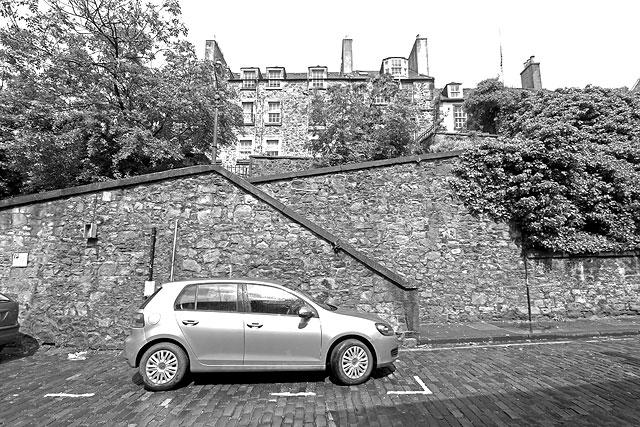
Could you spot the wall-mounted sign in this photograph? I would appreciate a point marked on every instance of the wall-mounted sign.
(20, 259)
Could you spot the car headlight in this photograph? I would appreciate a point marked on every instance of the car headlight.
(385, 329)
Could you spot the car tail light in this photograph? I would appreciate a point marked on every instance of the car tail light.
(138, 321)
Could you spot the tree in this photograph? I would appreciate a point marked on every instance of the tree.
(565, 170)
(487, 103)
(82, 100)
(364, 121)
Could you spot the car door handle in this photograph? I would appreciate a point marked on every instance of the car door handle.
(254, 325)
(190, 322)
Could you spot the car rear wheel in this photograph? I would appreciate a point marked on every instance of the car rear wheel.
(163, 366)
(351, 362)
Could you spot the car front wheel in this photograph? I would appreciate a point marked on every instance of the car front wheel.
(351, 362)
(163, 366)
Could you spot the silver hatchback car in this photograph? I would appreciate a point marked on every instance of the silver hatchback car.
(251, 325)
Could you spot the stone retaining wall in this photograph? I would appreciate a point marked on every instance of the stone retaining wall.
(399, 214)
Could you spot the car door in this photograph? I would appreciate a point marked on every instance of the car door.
(211, 323)
(275, 335)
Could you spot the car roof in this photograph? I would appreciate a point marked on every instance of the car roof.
(180, 283)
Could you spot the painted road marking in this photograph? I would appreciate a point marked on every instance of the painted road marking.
(69, 395)
(471, 347)
(425, 389)
(165, 404)
(289, 394)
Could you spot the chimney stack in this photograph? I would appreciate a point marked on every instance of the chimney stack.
(419, 56)
(530, 76)
(346, 67)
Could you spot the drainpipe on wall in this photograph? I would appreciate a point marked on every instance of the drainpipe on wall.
(173, 252)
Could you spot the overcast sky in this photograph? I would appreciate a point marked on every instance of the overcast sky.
(576, 42)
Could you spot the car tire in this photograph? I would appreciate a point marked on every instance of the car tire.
(163, 366)
(351, 362)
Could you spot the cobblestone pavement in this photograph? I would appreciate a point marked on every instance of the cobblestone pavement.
(579, 383)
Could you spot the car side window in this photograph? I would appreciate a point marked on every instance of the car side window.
(217, 297)
(270, 300)
(187, 299)
(208, 297)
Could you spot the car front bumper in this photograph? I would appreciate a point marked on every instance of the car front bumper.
(386, 351)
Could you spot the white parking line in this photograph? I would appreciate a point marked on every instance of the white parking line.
(289, 394)
(69, 395)
(425, 389)
(471, 347)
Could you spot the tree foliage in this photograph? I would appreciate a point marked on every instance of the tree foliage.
(565, 170)
(101, 89)
(486, 103)
(360, 122)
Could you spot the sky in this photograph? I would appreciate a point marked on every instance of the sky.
(576, 42)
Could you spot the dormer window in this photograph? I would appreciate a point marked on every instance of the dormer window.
(454, 91)
(249, 78)
(317, 78)
(397, 67)
(275, 77)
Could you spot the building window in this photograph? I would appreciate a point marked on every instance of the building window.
(459, 118)
(380, 100)
(317, 78)
(396, 67)
(248, 113)
(454, 91)
(245, 148)
(249, 79)
(275, 79)
(274, 113)
(272, 147)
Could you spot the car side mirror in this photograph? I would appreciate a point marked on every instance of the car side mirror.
(305, 312)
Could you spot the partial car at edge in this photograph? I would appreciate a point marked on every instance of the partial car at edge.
(223, 325)
(9, 325)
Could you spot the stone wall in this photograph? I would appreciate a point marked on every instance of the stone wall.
(573, 287)
(405, 216)
(399, 214)
(82, 292)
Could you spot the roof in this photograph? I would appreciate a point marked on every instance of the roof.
(334, 75)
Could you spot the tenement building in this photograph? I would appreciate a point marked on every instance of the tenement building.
(276, 101)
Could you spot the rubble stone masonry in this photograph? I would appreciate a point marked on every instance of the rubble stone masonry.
(401, 213)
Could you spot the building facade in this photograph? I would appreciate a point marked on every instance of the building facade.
(452, 117)
(276, 102)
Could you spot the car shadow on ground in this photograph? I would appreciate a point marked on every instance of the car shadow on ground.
(25, 346)
(276, 377)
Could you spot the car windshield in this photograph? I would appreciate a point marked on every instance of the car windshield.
(324, 305)
(3, 298)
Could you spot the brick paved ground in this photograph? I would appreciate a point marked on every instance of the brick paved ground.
(585, 383)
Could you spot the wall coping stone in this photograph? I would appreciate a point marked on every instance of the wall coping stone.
(106, 185)
(352, 167)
